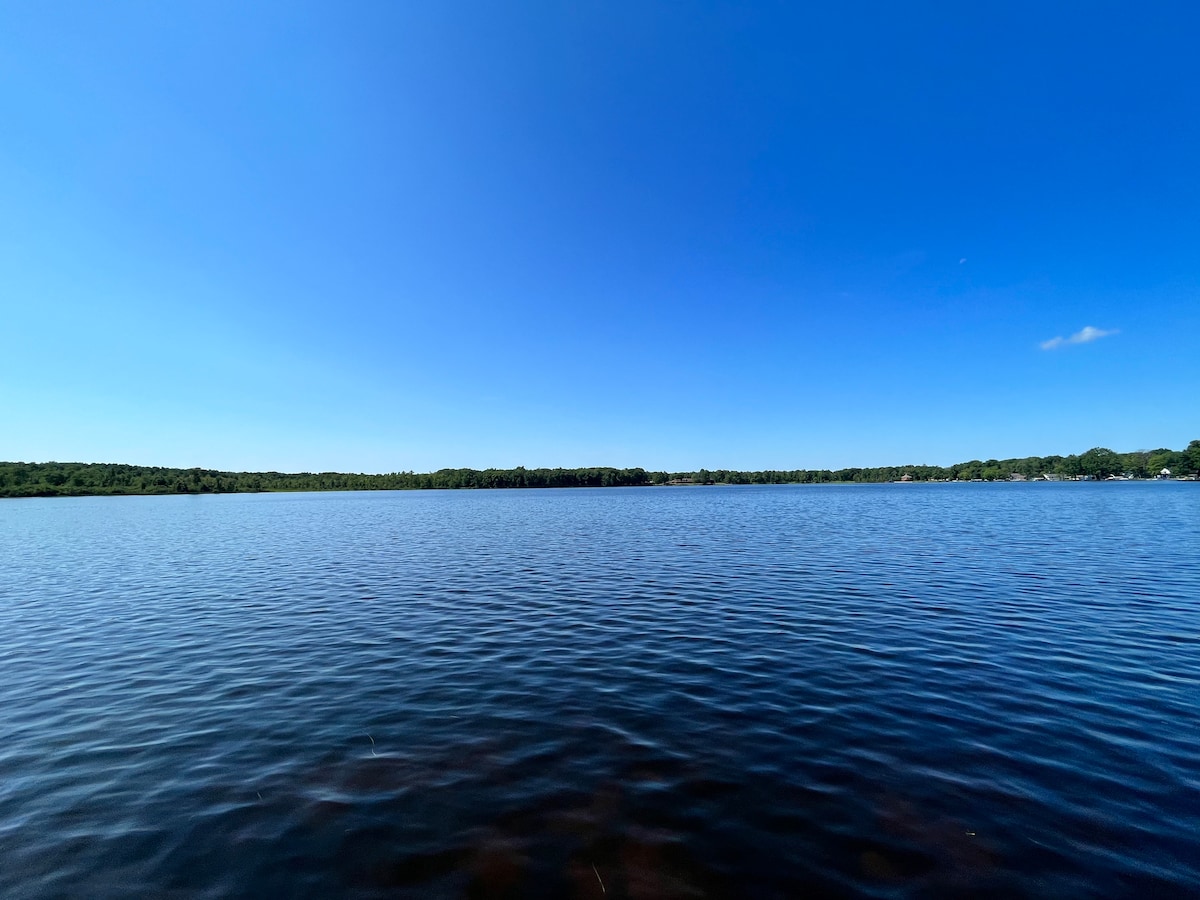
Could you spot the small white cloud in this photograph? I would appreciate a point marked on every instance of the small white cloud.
(963, 260)
(1085, 335)
(1090, 334)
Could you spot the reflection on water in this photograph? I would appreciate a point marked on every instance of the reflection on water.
(947, 690)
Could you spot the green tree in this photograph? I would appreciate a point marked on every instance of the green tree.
(1100, 462)
(1193, 457)
(1070, 466)
(969, 470)
(1136, 463)
(1159, 459)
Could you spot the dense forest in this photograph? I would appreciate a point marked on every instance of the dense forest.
(53, 479)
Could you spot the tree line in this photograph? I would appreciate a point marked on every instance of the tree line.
(51, 479)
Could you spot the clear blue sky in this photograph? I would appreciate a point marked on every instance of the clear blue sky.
(391, 236)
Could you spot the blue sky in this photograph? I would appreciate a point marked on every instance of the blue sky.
(391, 236)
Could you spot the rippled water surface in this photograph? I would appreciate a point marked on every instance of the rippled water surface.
(894, 691)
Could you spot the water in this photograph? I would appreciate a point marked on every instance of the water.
(892, 691)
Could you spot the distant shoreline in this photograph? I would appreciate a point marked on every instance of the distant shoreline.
(53, 493)
(54, 479)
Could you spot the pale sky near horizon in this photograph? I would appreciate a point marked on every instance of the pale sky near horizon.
(391, 236)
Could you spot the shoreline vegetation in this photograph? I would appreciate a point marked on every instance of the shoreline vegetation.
(55, 479)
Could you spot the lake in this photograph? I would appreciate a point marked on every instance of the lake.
(889, 690)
